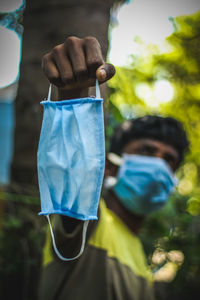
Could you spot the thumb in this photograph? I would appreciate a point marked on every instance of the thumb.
(105, 72)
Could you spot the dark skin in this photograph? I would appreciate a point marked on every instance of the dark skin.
(149, 147)
(73, 67)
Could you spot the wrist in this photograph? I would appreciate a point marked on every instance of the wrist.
(72, 94)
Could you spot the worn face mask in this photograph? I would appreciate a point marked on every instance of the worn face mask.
(71, 158)
(144, 183)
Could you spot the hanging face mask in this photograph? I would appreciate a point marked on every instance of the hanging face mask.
(144, 183)
(71, 159)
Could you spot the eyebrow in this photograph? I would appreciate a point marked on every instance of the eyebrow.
(154, 147)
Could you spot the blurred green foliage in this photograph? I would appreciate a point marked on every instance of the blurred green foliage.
(177, 227)
(22, 235)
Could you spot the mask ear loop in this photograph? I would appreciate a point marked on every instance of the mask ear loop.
(98, 92)
(49, 93)
(85, 225)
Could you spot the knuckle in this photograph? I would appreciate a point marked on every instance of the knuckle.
(56, 50)
(91, 39)
(44, 61)
(94, 62)
(53, 77)
(45, 57)
(72, 40)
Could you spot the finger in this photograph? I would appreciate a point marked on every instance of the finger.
(93, 54)
(76, 55)
(63, 64)
(50, 70)
(105, 72)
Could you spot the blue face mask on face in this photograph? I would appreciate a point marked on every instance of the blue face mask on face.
(71, 158)
(144, 183)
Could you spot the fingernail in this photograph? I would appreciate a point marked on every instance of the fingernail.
(102, 74)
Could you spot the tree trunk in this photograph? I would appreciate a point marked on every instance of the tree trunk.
(47, 23)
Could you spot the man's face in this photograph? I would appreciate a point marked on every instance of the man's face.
(149, 147)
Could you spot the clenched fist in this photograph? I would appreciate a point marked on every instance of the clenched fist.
(75, 65)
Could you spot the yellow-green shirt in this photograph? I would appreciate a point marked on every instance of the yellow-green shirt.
(112, 267)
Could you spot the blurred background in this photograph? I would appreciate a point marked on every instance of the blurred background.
(155, 46)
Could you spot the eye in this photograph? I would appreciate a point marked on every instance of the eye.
(170, 160)
(146, 150)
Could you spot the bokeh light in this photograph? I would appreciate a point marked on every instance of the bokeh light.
(161, 91)
(9, 5)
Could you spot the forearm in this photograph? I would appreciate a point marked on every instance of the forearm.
(72, 94)
(80, 90)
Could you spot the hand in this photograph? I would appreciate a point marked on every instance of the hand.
(74, 66)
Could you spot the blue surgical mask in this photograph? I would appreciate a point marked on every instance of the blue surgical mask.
(144, 183)
(71, 158)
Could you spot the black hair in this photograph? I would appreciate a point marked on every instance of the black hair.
(162, 129)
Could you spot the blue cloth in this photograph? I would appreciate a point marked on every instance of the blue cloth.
(71, 157)
(6, 139)
(144, 183)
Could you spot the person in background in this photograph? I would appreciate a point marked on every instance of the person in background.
(139, 178)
